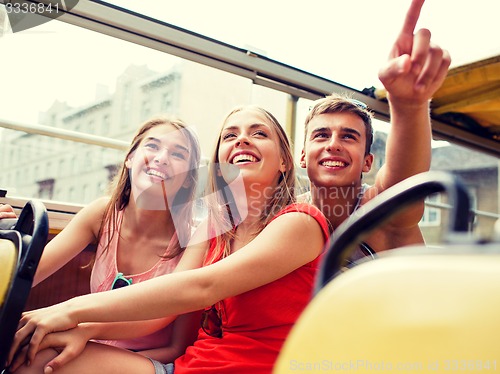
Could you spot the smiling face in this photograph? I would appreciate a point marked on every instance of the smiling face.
(249, 142)
(334, 150)
(160, 164)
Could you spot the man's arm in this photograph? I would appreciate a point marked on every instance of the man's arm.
(415, 70)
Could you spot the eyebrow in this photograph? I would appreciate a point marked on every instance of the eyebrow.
(348, 130)
(177, 145)
(252, 126)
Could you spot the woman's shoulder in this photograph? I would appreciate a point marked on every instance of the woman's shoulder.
(308, 209)
(99, 204)
(301, 207)
(93, 213)
(93, 210)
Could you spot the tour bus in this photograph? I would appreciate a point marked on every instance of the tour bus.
(79, 80)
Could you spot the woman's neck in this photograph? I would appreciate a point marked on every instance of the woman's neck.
(148, 222)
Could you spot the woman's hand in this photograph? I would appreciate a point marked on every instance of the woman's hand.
(35, 325)
(6, 211)
(68, 345)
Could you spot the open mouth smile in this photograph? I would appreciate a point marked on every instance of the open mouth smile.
(156, 173)
(243, 158)
(333, 163)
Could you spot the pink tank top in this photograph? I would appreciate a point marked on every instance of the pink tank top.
(104, 272)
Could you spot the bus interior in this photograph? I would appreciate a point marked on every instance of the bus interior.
(77, 84)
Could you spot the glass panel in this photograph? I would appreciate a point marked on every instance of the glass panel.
(36, 166)
(346, 41)
(103, 86)
(479, 173)
(75, 79)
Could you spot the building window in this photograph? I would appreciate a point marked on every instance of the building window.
(166, 102)
(146, 109)
(71, 194)
(62, 165)
(86, 193)
(432, 214)
(46, 189)
(105, 125)
(88, 161)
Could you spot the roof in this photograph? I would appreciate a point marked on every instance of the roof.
(470, 98)
(466, 108)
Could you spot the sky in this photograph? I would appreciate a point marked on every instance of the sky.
(334, 37)
(345, 41)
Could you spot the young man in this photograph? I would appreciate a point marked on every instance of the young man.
(338, 137)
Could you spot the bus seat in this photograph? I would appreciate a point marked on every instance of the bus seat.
(20, 252)
(409, 310)
(7, 223)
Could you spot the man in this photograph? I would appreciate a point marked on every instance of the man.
(338, 137)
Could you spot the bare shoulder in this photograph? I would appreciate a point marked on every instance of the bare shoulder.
(92, 214)
(97, 207)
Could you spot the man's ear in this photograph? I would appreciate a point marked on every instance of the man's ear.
(367, 166)
(303, 159)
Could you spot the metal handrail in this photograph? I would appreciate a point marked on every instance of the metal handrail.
(478, 213)
(109, 19)
(80, 137)
(57, 132)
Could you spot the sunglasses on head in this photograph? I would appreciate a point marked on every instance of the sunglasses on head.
(211, 322)
(358, 103)
(120, 281)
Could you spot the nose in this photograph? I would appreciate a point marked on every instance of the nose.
(334, 144)
(242, 139)
(162, 156)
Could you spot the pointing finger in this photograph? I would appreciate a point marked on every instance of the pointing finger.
(412, 17)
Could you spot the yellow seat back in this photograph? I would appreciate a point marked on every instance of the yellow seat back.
(408, 310)
(8, 263)
(19, 261)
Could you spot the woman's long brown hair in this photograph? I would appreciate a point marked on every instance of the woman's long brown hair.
(182, 207)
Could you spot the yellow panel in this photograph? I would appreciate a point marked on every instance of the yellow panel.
(8, 265)
(473, 90)
(420, 313)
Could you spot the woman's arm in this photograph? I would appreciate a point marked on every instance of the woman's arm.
(185, 332)
(266, 258)
(71, 342)
(80, 232)
(260, 262)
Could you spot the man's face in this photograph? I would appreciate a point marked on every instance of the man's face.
(334, 150)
